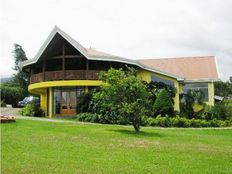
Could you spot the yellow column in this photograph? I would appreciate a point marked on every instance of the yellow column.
(50, 110)
(43, 102)
(211, 93)
(177, 98)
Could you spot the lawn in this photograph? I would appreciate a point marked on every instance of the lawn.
(48, 147)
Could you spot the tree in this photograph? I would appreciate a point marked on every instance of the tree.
(123, 94)
(20, 78)
(163, 104)
(15, 89)
(223, 89)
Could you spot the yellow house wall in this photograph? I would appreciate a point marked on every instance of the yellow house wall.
(146, 76)
(41, 89)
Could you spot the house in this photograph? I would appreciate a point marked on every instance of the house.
(63, 69)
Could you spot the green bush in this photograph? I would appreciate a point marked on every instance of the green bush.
(184, 122)
(32, 109)
(221, 111)
(163, 104)
(88, 117)
(85, 102)
(11, 95)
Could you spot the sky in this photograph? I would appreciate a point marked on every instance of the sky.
(129, 28)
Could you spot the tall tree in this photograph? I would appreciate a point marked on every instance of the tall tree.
(20, 78)
(124, 94)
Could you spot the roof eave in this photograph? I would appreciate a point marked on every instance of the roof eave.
(202, 80)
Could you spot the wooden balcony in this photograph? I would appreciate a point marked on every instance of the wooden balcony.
(64, 75)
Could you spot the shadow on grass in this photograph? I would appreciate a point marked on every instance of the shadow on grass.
(133, 133)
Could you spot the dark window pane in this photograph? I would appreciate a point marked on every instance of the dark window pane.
(57, 97)
(38, 68)
(197, 86)
(75, 64)
(53, 65)
(158, 79)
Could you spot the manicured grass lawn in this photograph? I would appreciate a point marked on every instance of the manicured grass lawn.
(47, 147)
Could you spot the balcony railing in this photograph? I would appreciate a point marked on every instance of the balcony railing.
(64, 75)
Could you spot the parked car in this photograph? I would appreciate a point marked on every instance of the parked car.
(27, 100)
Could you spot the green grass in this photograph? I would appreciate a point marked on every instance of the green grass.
(46, 147)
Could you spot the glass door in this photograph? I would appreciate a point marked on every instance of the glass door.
(68, 103)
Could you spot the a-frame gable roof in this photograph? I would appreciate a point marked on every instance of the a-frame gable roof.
(90, 54)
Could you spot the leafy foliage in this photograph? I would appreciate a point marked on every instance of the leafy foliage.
(163, 104)
(32, 109)
(221, 111)
(88, 117)
(223, 89)
(155, 87)
(11, 94)
(188, 100)
(185, 122)
(85, 102)
(122, 96)
(20, 78)
(15, 89)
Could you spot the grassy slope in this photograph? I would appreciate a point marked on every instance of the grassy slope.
(44, 147)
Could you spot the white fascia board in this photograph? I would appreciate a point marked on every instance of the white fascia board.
(216, 62)
(202, 80)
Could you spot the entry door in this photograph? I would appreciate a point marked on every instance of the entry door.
(68, 105)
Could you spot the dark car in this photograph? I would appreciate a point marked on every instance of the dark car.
(27, 100)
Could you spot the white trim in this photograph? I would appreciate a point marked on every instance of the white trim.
(202, 80)
(216, 62)
(83, 51)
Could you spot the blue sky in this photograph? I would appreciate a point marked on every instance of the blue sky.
(133, 29)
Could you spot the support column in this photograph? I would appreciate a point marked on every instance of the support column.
(177, 98)
(43, 102)
(50, 110)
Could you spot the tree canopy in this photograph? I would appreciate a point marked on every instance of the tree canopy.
(124, 94)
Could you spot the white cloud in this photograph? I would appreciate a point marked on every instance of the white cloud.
(134, 29)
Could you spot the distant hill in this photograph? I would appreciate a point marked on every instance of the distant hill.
(4, 79)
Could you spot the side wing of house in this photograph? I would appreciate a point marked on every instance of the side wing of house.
(199, 73)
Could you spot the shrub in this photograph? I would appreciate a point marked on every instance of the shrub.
(32, 109)
(180, 122)
(184, 122)
(163, 104)
(88, 117)
(85, 102)
(221, 111)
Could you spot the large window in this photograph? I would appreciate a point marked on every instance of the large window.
(197, 86)
(158, 79)
(57, 102)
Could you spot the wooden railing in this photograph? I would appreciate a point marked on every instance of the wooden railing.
(65, 75)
